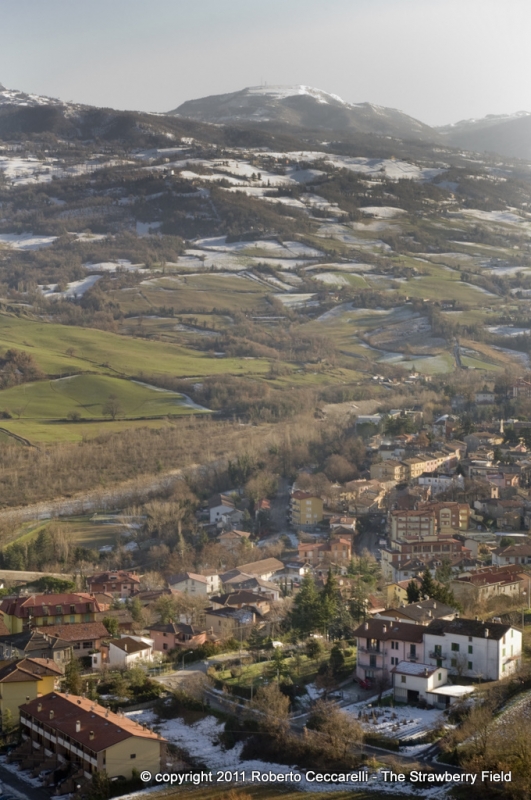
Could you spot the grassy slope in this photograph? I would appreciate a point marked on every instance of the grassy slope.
(101, 351)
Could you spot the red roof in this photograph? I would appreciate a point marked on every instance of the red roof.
(84, 721)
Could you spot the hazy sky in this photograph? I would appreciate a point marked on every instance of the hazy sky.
(438, 60)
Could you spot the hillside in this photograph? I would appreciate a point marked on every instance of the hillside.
(258, 273)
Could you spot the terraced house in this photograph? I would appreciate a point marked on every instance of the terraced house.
(63, 729)
(39, 610)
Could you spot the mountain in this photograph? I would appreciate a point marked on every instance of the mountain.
(507, 134)
(304, 107)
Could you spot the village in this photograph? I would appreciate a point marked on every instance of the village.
(398, 599)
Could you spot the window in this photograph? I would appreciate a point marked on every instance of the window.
(453, 662)
(87, 645)
(133, 755)
(165, 646)
(439, 676)
(58, 609)
(58, 620)
(72, 609)
(469, 638)
(372, 661)
(470, 649)
(403, 678)
(503, 667)
(470, 665)
(72, 617)
(503, 653)
(455, 647)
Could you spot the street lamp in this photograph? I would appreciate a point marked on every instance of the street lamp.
(186, 654)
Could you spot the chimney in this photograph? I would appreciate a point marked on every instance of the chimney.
(125, 646)
(39, 707)
(78, 726)
(51, 714)
(384, 629)
(91, 735)
(366, 626)
(487, 633)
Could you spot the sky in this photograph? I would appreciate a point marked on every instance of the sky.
(437, 60)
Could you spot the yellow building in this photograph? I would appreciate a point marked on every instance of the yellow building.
(21, 681)
(306, 509)
(75, 730)
(39, 610)
(389, 470)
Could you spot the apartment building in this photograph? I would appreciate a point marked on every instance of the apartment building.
(306, 509)
(473, 648)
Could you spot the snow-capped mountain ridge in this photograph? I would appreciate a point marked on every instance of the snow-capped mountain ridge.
(303, 107)
(14, 97)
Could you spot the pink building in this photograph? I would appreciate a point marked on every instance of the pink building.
(382, 644)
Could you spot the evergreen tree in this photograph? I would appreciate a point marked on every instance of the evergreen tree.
(306, 613)
(329, 600)
(136, 609)
(337, 659)
(427, 588)
(72, 681)
(413, 592)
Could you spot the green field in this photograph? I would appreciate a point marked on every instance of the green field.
(86, 395)
(60, 349)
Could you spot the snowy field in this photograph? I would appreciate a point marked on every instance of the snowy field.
(26, 241)
(73, 289)
(201, 741)
(113, 266)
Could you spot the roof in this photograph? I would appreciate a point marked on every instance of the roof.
(413, 668)
(61, 712)
(176, 627)
(114, 575)
(384, 630)
(234, 534)
(242, 597)
(514, 550)
(300, 495)
(29, 640)
(424, 609)
(453, 690)
(468, 627)
(184, 576)
(28, 669)
(43, 605)
(220, 500)
(255, 568)
(77, 631)
(129, 645)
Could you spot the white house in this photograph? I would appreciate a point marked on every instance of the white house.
(218, 505)
(413, 682)
(124, 653)
(193, 583)
(441, 483)
(514, 554)
(473, 648)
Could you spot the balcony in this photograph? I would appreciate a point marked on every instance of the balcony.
(435, 654)
(412, 657)
(371, 650)
(364, 665)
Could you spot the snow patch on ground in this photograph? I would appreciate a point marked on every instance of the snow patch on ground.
(73, 289)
